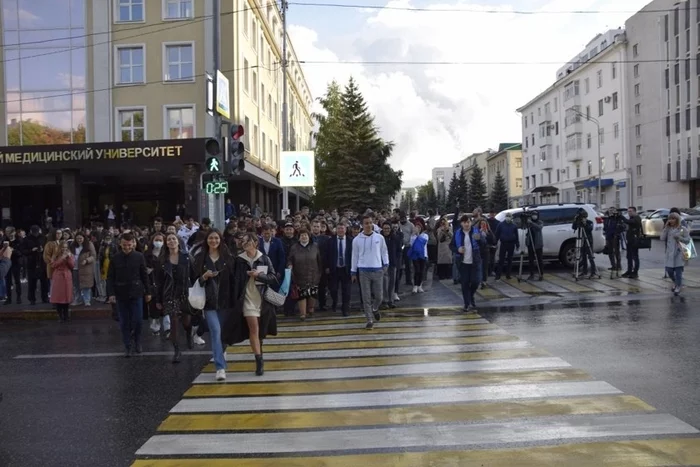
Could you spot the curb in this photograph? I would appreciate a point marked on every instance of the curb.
(50, 315)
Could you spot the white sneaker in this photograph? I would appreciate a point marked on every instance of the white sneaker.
(225, 356)
(198, 340)
(420, 289)
(221, 375)
(415, 289)
(397, 298)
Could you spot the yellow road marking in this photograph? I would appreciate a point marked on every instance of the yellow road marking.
(377, 344)
(523, 286)
(388, 383)
(274, 365)
(489, 293)
(648, 453)
(388, 316)
(575, 287)
(378, 330)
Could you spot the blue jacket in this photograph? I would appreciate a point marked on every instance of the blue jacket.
(331, 259)
(477, 245)
(277, 255)
(507, 232)
(417, 249)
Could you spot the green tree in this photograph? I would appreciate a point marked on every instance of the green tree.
(452, 194)
(408, 202)
(477, 189)
(463, 198)
(350, 155)
(31, 133)
(426, 198)
(499, 193)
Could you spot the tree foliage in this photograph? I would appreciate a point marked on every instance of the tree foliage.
(408, 202)
(31, 133)
(452, 194)
(350, 155)
(463, 198)
(477, 189)
(426, 198)
(499, 193)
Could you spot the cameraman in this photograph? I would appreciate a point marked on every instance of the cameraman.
(634, 234)
(581, 221)
(613, 228)
(534, 242)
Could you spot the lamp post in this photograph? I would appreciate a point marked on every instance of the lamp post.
(600, 174)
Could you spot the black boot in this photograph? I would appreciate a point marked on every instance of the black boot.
(188, 333)
(259, 365)
(177, 355)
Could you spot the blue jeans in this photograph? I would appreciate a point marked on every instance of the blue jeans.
(86, 294)
(676, 275)
(130, 318)
(217, 347)
(469, 278)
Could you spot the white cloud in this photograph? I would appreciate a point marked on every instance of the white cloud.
(439, 114)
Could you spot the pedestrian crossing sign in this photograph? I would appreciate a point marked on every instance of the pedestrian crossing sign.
(297, 169)
(213, 165)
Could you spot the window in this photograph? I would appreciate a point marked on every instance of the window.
(635, 50)
(277, 115)
(616, 130)
(269, 106)
(590, 167)
(254, 148)
(570, 91)
(587, 85)
(601, 135)
(589, 141)
(262, 98)
(245, 21)
(614, 101)
(518, 183)
(264, 147)
(130, 65)
(254, 35)
(617, 161)
(130, 11)
(178, 9)
(578, 171)
(639, 171)
(636, 71)
(639, 191)
(636, 90)
(246, 79)
(180, 122)
(131, 124)
(255, 87)
(556, 104)
(602, 164)
(638, 150)
(600, 108)
(637, 109)
(667, 77)
(179, 62)
(614, 70)
(600, 79)
(687, 119)
(518, 163)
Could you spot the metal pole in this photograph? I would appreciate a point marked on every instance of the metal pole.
(600, 172)
(285, 104)
(216, 202)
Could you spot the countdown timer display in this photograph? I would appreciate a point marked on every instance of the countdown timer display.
(216, 188)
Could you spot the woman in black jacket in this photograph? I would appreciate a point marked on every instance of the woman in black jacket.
(213, 268)
(252, 317)
(172, 280)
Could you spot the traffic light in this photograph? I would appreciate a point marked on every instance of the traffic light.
(237, 149)
(212, 148)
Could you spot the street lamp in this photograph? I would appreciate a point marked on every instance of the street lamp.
(372, 189)
(600, 174)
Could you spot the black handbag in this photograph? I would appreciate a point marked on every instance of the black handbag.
(644, 243)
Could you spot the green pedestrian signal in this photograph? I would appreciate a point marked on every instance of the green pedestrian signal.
(213, 165)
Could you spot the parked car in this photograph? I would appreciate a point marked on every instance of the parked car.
(558, 237)
(653, 224)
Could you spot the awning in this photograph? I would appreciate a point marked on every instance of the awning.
(547, 189)
(593, 183)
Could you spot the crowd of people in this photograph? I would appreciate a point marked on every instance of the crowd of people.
(147, 272)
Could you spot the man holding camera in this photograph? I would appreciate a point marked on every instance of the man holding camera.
(634, 235)
(584, 231)
(613, 228)
(535, 244)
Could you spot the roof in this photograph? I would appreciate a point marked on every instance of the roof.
(510, 147)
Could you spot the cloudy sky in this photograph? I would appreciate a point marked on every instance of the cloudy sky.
(439, 114)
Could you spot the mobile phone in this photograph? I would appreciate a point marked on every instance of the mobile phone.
(215, 273)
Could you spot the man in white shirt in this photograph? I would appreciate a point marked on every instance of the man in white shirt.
(369, 259)
(187, 230)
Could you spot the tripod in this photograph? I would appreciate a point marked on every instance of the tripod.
(581, 241)
(522, 256)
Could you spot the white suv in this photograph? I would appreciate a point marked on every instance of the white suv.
(557, 235)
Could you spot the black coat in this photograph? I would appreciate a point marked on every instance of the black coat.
(331, 259)
(35, 259)
(166, 287)
(394, 244)
(235, 328)
(218, 289)
(127, 278)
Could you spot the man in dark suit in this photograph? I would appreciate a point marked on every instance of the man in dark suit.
(338, 262)
(273, 248)
(322, 241)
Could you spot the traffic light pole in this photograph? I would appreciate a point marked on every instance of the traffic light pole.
(215, 203)
(285, 104)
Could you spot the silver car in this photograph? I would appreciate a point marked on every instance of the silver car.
(653, 224)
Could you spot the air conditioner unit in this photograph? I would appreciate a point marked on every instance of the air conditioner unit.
(607, 99)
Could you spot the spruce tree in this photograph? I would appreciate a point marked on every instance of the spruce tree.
(463, 198)
(477, 188)
(499, 194)
(452, 194)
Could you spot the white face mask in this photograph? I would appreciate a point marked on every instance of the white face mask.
(158, 244)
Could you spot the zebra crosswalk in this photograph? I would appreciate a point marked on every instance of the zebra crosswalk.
(441, 388)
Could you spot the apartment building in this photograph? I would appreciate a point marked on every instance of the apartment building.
(508, 161)
(663, 103)
(441, 178)
(574, 132)
(129, 76)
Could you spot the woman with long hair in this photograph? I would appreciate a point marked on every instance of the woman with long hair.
(305, 261)
(83, 252)
(675, 237)
(154, 253)
(172, 278)
(213, 267)
(444, 256)
(254, 273)
(62, 265)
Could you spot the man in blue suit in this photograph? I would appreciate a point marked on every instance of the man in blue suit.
(273, 248)
(338, 261)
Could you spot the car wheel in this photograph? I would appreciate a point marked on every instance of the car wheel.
(567, 255)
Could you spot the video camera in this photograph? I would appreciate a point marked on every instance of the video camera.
(526, 216)
(580, 218)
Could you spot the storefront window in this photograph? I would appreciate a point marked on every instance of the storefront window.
(45, 69)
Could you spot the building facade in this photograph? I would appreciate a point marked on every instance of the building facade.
(664, 103)
(574, 139)
(508, 161)
(441, 177)
(130, 72)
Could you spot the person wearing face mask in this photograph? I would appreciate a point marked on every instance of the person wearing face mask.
(507, 235)
(154, 257)
(535, 244)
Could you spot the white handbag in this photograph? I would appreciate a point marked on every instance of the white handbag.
(197, 296)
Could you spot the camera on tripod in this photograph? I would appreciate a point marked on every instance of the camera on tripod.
(580, 218)
(526, 216)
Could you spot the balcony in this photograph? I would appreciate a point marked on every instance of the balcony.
(574, 156)
(546, 164)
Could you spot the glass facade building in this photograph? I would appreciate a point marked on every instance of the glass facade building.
(45, 65)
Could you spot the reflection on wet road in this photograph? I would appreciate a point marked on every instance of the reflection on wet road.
(448, 389)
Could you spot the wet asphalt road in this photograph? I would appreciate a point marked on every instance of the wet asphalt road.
(99, 411)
